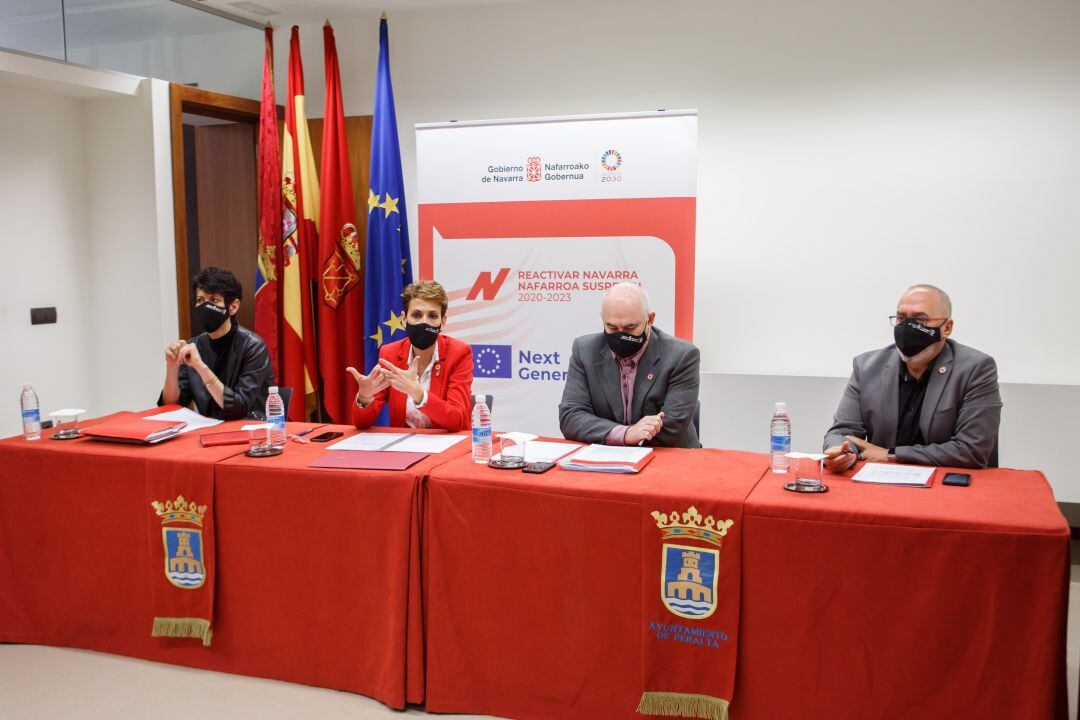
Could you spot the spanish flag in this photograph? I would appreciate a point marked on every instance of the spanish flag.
(300, 190)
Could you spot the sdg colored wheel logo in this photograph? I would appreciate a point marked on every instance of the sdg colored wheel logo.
(611, 160)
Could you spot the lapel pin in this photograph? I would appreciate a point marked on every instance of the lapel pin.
(941, 369)
(650, 377)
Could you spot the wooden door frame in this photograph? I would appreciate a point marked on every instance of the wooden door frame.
(187, 99)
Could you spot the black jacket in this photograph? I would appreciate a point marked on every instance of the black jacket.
(247, 379)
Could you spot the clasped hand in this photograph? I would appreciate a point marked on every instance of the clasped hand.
(840, 458)
(183, 353)
(644, 429)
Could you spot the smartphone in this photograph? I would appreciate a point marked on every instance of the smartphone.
(536, 468)
(958, 479)
(327, 436)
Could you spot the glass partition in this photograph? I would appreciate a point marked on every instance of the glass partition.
(33, 26)
(150, 38)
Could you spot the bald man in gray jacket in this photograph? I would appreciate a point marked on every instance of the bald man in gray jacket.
(926, 400)
(631, 384)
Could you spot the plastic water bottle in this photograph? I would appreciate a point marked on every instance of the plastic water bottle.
(481, 431)
(275, 415)
(780, 432)
(31, 413)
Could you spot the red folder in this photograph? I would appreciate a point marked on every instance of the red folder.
(367, 460)
(229, 437)
(133, 429)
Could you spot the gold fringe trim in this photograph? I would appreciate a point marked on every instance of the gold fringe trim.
(183, 628)
(683, 705)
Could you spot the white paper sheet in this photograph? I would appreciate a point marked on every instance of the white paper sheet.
(517, 437)
(67, 412)
(256, 426)
(889, 474)
(805, 456)
(367, 441)
(193, 420)
(432, 444)
(612, 453)
(539, 451)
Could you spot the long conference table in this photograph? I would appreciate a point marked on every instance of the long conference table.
(476, 590)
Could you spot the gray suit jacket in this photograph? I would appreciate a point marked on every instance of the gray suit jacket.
(960, 413)
(667, 379)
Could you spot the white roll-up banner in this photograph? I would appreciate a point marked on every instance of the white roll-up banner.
(526, 223)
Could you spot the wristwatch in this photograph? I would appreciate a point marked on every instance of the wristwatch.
(891, 457)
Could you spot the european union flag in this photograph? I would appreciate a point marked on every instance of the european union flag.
(491, 361)
(388, 268)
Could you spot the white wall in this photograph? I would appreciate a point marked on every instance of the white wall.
(44, 253)
(132, 280)
(847, 150)
(85, 194)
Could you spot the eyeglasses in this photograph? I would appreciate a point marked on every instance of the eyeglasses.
(895, 320)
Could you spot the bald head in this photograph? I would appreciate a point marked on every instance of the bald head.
(625, 308)
(927, 300)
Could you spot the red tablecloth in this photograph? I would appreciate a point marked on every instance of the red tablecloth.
(533, 583)
(883, 602)
(865, 602)
(317, 569)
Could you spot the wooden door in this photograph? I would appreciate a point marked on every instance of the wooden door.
(226, 193)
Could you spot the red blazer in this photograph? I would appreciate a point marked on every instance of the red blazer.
(449, 404)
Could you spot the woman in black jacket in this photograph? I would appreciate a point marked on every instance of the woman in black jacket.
(225, 370)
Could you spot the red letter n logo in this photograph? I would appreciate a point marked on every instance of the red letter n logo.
(486, 286)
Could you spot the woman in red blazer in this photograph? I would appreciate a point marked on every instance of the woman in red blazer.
(425, 377)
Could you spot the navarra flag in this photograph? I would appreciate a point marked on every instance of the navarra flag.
(299, 229)
(269, 175)
(389, 266)
(340, 301)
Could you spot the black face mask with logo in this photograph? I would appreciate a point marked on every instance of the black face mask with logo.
(421, 335)
(624, 344)
(912, 337)
(211, 316)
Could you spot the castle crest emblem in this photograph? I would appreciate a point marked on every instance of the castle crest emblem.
(688, 580)
(181, 533)
(689, 572)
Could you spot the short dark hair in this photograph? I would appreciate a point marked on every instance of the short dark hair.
(218, 281)
(425, 290)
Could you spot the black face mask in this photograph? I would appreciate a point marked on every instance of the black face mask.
(421, 335)
(624, 344)
(912, 337)
(210, 316)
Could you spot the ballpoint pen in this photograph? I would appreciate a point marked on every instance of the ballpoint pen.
(299, 437)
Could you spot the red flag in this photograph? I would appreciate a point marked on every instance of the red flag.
(269, 171)
(340, 299)
(300, 192)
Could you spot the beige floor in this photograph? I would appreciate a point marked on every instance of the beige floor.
(61, 684)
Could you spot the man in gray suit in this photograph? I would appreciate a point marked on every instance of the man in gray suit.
(631, 384)
(926, 400)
